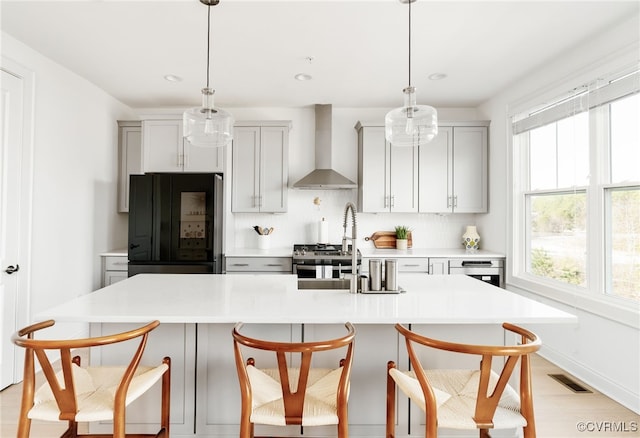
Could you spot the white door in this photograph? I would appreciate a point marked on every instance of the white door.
(11, 113)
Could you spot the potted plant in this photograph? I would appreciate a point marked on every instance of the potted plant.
(402, 236)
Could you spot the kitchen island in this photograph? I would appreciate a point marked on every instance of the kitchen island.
(197, 312)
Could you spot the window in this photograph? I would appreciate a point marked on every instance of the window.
(577, 192)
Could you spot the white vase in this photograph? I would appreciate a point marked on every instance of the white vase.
(401, 243)
(471, 238)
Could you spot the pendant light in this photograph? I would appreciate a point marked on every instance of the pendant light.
(206, 125)
(412, 124)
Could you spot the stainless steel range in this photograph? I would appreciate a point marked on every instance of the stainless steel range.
(318, 264)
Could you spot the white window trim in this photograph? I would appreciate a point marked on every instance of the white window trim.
(607, 306)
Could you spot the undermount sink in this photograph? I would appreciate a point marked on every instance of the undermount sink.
(324, 283)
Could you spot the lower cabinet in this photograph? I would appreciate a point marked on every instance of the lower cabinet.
(114, 269)
(438, 266)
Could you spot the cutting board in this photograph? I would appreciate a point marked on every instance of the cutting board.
(387, 239)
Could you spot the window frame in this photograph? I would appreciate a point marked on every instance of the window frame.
(594, 297)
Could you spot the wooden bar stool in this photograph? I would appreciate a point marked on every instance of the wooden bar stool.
(476, 399)
(87, 394)
(299, 395)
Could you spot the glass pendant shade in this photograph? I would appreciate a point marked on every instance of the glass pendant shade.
(412, 124)
(207, 126)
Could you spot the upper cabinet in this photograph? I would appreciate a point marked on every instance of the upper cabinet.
(165, 150)
(453, 170)
(130, 158)
(387, 176)
(260, 167)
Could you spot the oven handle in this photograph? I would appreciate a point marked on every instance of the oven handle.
(305, 267)
(314, 267)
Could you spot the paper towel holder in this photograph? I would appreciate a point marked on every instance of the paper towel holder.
(323, 231)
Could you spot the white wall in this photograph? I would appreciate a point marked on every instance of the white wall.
(74, 179)
(587, 350)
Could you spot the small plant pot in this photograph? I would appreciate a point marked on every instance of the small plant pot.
(401, 243)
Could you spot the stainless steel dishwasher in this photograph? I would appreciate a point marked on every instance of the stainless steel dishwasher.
(488, 270)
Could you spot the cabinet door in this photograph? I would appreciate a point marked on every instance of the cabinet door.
(246, 169)
(403, 177)
(111, 277)
(141, 218)
(438, 266)
(435, 170)
(274, 169)
(470, 169)
(130, 156)
(162, 144)
(373, 168)
(203, 159)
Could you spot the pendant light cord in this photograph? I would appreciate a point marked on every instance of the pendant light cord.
(208, 39)
(410, 1)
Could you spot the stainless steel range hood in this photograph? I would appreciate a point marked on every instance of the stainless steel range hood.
(324, 177)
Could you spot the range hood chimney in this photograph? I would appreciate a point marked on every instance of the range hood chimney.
(324, 177)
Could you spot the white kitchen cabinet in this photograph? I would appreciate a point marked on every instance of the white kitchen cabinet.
(260, 167)
(405, 264)
(258, 265)
(165, 150)
(130, 158)
(114, 268)
(438, 266)
(387, 176)
(453, 170)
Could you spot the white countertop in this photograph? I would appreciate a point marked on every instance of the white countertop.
(116, 253)
(254, 252)
(211, 298)
(370, 251)
(429, 252)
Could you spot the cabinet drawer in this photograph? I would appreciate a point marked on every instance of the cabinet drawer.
(115, 263)
(259, 264)
(417, 264)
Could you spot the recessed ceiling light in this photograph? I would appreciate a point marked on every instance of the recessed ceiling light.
(303, 77)
(437, 76)
(172, 78)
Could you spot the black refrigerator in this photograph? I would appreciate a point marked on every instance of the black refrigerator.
(175, 223)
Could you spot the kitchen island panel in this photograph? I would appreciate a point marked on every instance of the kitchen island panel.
(178, 341)
(443, 305)
(218, 392)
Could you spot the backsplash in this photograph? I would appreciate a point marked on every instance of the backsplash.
(301, 223)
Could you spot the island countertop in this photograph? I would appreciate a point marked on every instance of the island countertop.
(211, 298)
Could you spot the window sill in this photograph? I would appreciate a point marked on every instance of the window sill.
(618, 310)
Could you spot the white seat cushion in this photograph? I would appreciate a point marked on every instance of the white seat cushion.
(456, 392)
(320, 403)
(95, 392)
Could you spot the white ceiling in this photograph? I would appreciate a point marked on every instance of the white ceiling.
(359, 48)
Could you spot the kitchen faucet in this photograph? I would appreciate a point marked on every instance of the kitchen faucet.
(345, 248)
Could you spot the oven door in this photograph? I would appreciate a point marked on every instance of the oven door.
(319, 271)
(489, 271)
